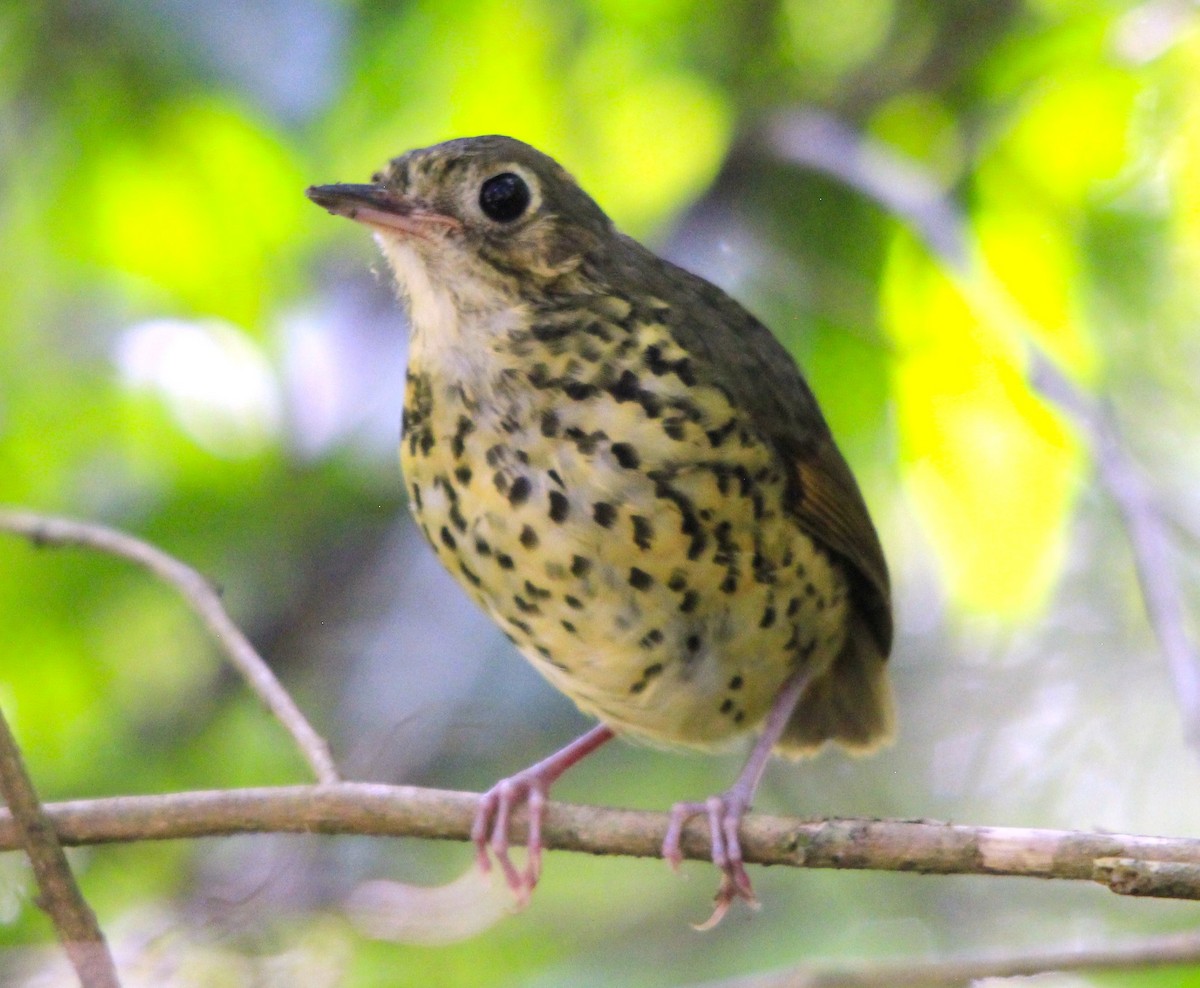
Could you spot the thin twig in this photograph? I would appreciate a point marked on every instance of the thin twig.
(1166, 867)
(49, 530)
(1148, 533)
(60, 896)
(821, 142)
(1163, 951)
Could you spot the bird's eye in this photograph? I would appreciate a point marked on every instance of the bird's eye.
(504, 197)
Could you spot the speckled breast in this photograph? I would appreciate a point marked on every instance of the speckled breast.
(623, 524)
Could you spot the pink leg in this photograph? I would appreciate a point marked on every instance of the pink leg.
(490, 829)
(725, 812)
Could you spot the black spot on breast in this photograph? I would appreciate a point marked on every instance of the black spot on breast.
(626, 455)
(626, 387)
(482, 547)
(692, 643)
(518, 493)
(579, 391)
(720, 434)
(553, 475)
(599, 330)
(505, 561)
(520, 625)
(690, 601)
(471, 576)
(729, 584)
(538, 593)
(677, 582)
(643, 531)
(569, 628)
(674, 428)
(654, 360)
(793, 606)
(416, 496)
(586, 442)
(528, 538)
(580, 566)
(463, 474)
(651, 404)
(525, 606)
(768, 618)
(573, 602)
(550, 424)
(539, 375)
(448, 539)
(604, 514)
(735, 683)
(651, 638)
(547, 334)
(726, 705)
(739, 716)
(639, 579)
(560, 507)
(457, 442)
(722, 473)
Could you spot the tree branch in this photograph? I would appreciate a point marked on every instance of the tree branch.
(1127, 864)
(44, 530)
(60, 897)
(1164, 951)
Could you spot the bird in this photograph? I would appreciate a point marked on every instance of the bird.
(629, 473)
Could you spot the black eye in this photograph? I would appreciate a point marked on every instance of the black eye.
(504, 197)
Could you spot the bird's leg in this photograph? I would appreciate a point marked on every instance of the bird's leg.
(492, 818)
(725, 812)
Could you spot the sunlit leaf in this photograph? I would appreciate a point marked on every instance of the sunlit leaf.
(992, 470)
(198, 208)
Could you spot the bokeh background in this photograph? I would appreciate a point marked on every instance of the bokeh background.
(190, 351)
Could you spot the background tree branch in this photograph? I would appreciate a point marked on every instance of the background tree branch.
(958, 972)
(817, 140)
(60, 896)
(48, 530)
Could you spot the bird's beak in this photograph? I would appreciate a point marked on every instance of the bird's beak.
(380, 208)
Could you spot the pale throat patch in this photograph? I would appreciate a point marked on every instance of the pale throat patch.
(443, 338)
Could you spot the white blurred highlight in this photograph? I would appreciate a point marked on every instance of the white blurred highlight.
(469, 905)
(216, 381)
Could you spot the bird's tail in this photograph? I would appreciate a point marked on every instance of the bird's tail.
(851, 704)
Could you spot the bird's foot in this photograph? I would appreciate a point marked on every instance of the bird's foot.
(724, 814)
(493, 818)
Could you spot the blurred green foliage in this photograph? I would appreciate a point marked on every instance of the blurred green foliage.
(188, 350)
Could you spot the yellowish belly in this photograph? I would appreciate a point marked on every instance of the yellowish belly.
(649, 572)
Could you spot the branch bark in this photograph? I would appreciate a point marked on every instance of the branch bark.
(205, 602)
(60, 897)
(1128, 864)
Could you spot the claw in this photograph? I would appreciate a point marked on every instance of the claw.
(724, 818)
